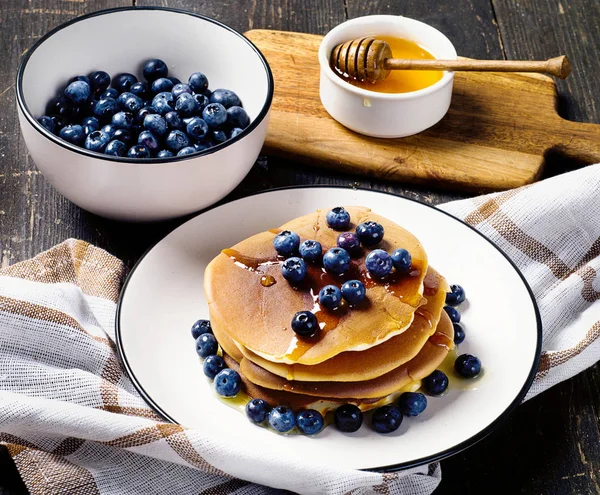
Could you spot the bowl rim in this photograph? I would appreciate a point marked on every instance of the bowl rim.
(446, 79)
(124, 159)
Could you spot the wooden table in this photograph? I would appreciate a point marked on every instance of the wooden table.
(549, 445)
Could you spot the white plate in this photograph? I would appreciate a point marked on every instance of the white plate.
(163, 296)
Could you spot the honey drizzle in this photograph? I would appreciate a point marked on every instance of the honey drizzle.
(267, 280)
(441, 340)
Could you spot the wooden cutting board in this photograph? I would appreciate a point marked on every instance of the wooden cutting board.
(497, 134)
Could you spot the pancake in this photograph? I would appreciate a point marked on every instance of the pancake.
(258, 317)
(403, 377)
(358, 366)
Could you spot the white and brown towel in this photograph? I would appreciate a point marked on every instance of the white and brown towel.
(74, 424)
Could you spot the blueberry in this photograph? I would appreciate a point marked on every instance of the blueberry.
(97, 141)
(353, 291)
(198, 82)
(235, 132)
(177, 140)
(330, 297)
(140, 89)
(164, 154)
(147, 139)
(467, 366)
(206, 345)
(85, 79)
(47, 123)
(59, 122)
(294, 270)
(179, 89)
(186, 105)
(174, 80)
(401, 259)
(122, 120)
(162, 85)
(337, 261)
(163, 103)
(228, 383)
(99, 81)
(225, 97)
(92, 122)
(109, 93)
(138, 151)
(386, 419)
(310, 421)
(459, 333)
(123, 135)
(174, 121)
(109, 129)
(188, 150)
(116, 148)
(453, 313)
(412, 403)
(281, 419)
(379, 263)
(436, 383)
(154, 69)
(237, 117)
(88, 129)
(130, 103)
(214, 114)
(201, 102)
(257, 410)
(57, 105)
(311, 251)
(155, 124)
(305, 323)
(369, 233)
(456, 297)
(200, 327)
(286, 243)
(218, 137)
(348, 418)
(105, 108)
(72, 133)
(213, 365)
(348, 241)
(202, 146)
(78, 92)
(123, 82)
(338, 218)
(145, 111)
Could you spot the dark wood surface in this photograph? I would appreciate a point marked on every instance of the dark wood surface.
(550, 445)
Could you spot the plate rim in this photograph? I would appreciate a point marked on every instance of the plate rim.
(469, 442)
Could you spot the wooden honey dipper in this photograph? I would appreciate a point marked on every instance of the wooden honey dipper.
(369, 59)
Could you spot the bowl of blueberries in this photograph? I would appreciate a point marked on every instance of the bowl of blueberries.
(144, 114)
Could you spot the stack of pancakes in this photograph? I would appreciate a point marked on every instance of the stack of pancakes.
(366, 355)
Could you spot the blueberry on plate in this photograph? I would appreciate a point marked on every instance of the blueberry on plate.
(155, 69)
(311, 251)
(177, 140)
(379, 263)
(467, 366)
(402, 260)
(353, 291)
(294, 270)
(200, 327)
(174, 121)
(163, 103)
(218, 136)
(370, 233)
(188, 150)
(282, 419)
(115, 148)
(122, 82)
(305, 323)
(348, 418)
(459, 333)
(99, 81)
(386, 419)
(140, 89)
(180, 88)
(147, 139)
(105, 108)
(97, 141)
(206, 345)
(47, 123)
(198, 82)
(286, 243)
(225, 97)
(228, 383)
(257, 410)
(456, 296)
(235, 132)
(123, 120)
(78, 92)
(310, 422)
(337, 261)
(214, 114)
(201, 102)
(348, 241)
(213, 365)
(196, 128)
(156, 124)
(330, 297)
(165, 154)
(338, 218)
(453, 313)
(237, 117)
(436, 383)
(109, 93)
(91, 122)
(412, 403)
(72, 133)
(138, 151)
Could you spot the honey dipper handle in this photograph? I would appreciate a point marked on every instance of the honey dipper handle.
(558, 67)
